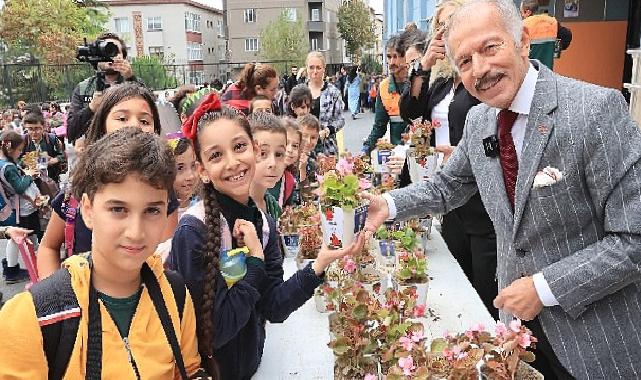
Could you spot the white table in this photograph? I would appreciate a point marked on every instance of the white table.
(297, 348)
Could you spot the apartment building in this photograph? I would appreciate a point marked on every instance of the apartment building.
(188, 36)
(246, 19)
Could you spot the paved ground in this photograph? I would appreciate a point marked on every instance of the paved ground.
(355, 132)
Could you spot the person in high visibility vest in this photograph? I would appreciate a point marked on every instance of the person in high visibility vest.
(389, 94)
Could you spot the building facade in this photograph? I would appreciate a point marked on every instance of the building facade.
(187, 36)
(247, 18)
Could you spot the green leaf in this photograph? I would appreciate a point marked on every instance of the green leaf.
(438, 345)
(360, 312)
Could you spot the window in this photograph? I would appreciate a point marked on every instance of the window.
(122, 24)
(195, 77)
(192, 22)
(157, 51)
(250, 15)
(314, 44)
(223, 52)
(251, 44)
(154, 23)
(220, 28)
(329, 17)
(194, 51)
(291, 14)
(315, 14)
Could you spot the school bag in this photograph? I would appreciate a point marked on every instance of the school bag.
(8, 199)
(58, 314)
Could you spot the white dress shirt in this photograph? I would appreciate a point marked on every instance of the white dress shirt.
(521, 104)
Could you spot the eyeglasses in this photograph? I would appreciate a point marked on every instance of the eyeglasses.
(489, 50)
(34, 129)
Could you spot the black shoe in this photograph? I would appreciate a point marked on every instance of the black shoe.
(16, 275)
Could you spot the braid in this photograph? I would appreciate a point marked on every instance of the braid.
(211, 267)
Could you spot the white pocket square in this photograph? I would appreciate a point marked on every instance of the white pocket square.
(547, 177)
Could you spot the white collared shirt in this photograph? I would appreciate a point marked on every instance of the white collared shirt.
(521, 104)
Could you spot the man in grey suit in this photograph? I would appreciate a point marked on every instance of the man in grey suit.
(557, 164)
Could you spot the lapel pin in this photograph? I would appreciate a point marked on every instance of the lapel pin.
(542, 129)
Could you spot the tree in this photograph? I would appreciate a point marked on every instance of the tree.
(153, 73)
(284, 40)
(356, 27)
(50, 29)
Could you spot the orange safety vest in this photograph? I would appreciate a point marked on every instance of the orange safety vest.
(541, 27)
(390, 99)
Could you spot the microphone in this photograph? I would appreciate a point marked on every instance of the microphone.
(491, 146)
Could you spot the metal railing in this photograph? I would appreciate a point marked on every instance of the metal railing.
(34, 82)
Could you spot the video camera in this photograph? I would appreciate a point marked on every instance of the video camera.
(96, 52)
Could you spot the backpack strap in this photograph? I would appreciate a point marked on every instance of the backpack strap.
(178, 288)
(151, 282)
(58, 314)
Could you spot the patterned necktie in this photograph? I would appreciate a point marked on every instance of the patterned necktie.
(509, 161)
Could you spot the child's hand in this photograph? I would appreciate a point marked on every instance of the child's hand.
(327, 256)
(35, 173)
(245, 234)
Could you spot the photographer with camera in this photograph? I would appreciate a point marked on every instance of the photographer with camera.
(108, 55)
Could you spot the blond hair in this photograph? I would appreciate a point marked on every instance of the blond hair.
(315, 54)
(443, 68)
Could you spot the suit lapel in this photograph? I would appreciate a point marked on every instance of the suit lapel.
(537, 133)
(492, 168)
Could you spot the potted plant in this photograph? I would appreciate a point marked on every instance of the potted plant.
(476, 353)
(310, 244)
(421, 162)
(411, 272)
(292, 219)
(342, 212)
(380, 155)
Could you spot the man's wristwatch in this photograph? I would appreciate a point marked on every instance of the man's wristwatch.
(416, 70)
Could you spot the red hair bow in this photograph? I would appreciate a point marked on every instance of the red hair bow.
(211, 103)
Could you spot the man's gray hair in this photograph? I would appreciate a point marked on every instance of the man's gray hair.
(508, 13)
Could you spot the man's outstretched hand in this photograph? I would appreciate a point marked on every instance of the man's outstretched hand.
(377, 213)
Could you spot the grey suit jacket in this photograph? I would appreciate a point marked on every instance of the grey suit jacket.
(583, 232)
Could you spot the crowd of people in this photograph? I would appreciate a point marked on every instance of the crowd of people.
(135, 216)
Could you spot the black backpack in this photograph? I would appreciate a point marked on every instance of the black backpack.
(58, 314)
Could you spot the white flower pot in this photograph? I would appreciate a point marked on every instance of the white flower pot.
(340, 226)
(421, 290)
(291, 242)
(319, 301)
(379, 160)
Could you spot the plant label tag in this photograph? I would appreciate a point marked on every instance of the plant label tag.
(387, 248)
(291, 240)
(360, 215)
(379, 159)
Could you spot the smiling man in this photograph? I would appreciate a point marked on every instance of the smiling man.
(558, 165)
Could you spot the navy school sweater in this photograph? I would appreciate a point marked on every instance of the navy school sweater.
(240, 312)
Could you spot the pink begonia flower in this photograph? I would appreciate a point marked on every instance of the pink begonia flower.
(446, 334)
(449, 355)
(419, 311)
(501, 329)
(407, 364)
(479, 327)
(525, 340)
(406, 343)
(349, 265)
(469, 334)
(364, 184)
(369, 376)
(515, 325)
(436, 123)
(344, 167)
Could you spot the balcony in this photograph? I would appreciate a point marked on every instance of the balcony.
(316, 26)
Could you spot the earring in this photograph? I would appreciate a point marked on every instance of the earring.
(205, 179)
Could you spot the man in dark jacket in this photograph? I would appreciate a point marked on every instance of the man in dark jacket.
(292, 81)
(85, 99)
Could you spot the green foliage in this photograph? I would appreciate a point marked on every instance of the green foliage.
(370, 64)
(50, 29)
(284, 40)
(152, 72)
(406, 237)
(412, 267)
(340, 192)
(356, 27)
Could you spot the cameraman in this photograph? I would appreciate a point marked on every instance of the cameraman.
(85, 99)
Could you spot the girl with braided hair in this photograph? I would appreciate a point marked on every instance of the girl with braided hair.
(231, 318)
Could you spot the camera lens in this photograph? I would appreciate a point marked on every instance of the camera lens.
(109, 49)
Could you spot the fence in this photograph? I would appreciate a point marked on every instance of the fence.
(40, 82)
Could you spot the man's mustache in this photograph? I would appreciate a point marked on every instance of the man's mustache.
(487, 79)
